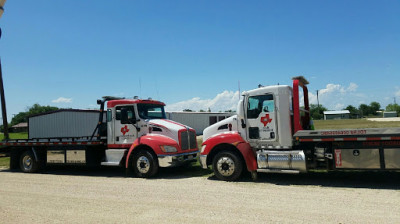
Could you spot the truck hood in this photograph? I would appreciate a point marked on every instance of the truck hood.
(167, 128)
(221, 127)
(167, 125)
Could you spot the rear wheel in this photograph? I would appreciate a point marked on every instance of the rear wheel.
(28, 163)
(227, 166)
(144, 164)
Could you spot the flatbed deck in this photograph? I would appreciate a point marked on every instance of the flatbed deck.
(367, 134)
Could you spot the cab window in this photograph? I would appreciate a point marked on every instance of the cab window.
(130, 111)
(258, 104)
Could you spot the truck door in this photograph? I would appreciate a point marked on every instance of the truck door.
(261, 118)
(124, 129)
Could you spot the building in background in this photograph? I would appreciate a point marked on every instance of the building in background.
(336, 115)
(389, 114)
(21, 127)
(73, 123)
(198, 120)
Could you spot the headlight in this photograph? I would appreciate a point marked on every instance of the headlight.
(168, 148)
(202, 148)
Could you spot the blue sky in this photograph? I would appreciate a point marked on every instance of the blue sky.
(192, 54)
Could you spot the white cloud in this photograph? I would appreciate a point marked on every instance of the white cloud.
(62, 100)
(352, 88)
(337, 88)
(333, 97)
(337, 97)
(226, 100)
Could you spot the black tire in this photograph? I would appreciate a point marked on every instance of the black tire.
(144, 164)
(227, 166)
(28, 163)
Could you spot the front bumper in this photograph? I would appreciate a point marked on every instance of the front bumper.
(203, 161)
(177, 159)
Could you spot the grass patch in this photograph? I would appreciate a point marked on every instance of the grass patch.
(4, 162)
(22, 135)
(353, 124)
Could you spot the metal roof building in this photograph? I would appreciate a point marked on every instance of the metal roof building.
(336, 115)
(389, 114)
(198, 120)
(21, 127)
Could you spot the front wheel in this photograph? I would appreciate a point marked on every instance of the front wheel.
(28, 163)
(227, 166)
(144, 164)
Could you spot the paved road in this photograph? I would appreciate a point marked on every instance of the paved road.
(107, 196)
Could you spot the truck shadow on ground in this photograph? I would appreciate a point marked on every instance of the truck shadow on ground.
(340, 179)
(118, 172)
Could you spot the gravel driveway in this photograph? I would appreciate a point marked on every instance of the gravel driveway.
(107, 196)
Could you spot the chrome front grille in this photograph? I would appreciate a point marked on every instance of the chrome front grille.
(188, 140)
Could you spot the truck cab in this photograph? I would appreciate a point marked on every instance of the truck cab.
(265, 114)
(260, 136)
(141, 138)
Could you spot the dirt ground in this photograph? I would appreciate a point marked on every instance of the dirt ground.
(387, 119)
(107, 196)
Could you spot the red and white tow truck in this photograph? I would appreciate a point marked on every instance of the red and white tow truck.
(271, 133)
(136, 135)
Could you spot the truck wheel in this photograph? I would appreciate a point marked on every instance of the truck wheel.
(28, 163)
(227, 166)
(144, 164)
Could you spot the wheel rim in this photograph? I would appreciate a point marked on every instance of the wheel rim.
(143, 164)
(226, 166)
(27, 162)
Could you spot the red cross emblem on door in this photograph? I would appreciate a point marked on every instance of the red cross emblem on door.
(266, 120)
(124, 130)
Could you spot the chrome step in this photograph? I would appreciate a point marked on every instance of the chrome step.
(110, 163)
(278, 171)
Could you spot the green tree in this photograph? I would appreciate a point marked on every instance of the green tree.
(374, 107)
(354, 113)
(317, 113)
(370, 109)
(34, 109)
(364, 110)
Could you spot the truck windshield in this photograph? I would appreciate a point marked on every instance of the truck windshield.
(151, 111)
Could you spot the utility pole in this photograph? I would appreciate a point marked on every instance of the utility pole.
(3, 101)
(3, 106)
